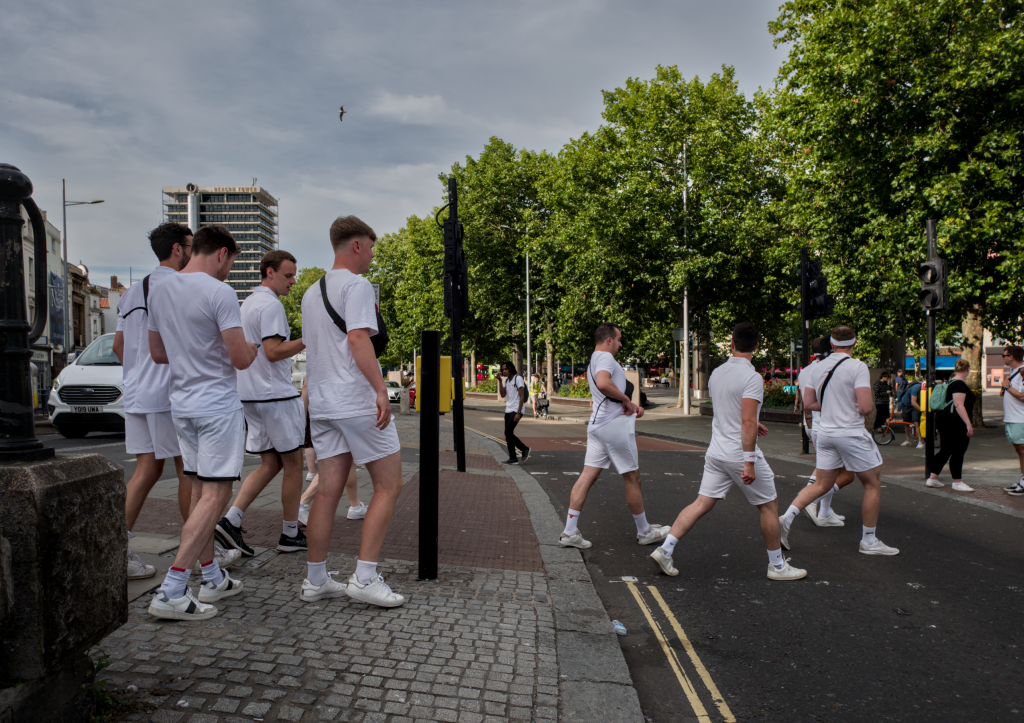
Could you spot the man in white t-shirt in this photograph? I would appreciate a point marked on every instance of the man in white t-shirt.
(274, 413)
(611, 439)
(195, 327)
(349, 415)
(841, 391)
(733, 458)
(513, 389)
(1012, 393)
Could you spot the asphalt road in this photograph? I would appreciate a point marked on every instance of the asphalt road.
(930, 635)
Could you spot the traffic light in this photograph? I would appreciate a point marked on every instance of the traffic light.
(934, 292)
(819, 303)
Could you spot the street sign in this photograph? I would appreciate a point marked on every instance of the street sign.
(678, 334)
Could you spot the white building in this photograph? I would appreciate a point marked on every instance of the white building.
(46, 353)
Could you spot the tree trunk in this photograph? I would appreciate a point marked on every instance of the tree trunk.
(550, 360)
(702, 362)
(517, 358)
(472, 369)
(974, 347)
(680, 323)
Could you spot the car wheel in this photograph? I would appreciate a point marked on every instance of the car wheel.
(72, 432)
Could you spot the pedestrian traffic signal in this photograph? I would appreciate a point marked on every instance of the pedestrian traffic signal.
(934, 285)
(819, 303)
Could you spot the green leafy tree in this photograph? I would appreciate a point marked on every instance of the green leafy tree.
(293, 302)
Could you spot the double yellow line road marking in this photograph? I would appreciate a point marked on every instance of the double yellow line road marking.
(673, 658)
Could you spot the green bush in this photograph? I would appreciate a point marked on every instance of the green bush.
(579, 389)
(776, 398)
(487, 385)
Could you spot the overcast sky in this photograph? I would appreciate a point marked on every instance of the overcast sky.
(122, 98)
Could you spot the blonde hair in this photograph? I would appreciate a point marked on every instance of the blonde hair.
(961, 365)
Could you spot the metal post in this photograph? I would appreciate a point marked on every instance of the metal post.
(458, 413)
(929, 438)
(805, 352)
(686, 351)
(430, 440)
(67, 290)
(528, 352)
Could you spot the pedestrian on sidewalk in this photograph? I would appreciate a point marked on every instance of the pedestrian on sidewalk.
(841, 390)
(910, 403)
(1012, 393)
(512, 389)
(538, 390)
(273, 409)
(350, 414)
(900, 384)
(883, 393)
(733, 459)
(611, 439)
(954, 424)
(195, 327)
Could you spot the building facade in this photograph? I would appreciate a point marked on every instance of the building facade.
(249, 212)
(47, 351)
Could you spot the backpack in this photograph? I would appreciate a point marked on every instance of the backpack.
(937, 401)
(628, 392)
(905, 399)
(379, 340)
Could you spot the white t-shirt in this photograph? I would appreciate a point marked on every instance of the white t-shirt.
(147, 385)
(1013, 409)
(337, 388)
(512, 387)
(805, 381)
(840, 416)
(729, 385)
(611, 408)
(263, 318)
(190, 311)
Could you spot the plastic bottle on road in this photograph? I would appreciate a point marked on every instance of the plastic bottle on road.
(618, 627)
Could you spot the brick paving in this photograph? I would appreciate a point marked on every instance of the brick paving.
(477, 645)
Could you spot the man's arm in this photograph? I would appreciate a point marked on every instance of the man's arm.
(119, 345)
(501, 387)
(811, 401)
(915, 401)
(604, 382)
(362, 351)
(522, 398)
(277, 349)
(748, 437)
(242, 353)
(865, 401)
(156, 348)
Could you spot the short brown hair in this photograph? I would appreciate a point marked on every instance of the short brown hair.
(843, 333)
(273, 260)
(744, 336)
(346, 228)
(1015, 351)
(210, 239)
(961, 365)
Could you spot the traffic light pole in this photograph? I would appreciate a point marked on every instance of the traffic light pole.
(929, 440)
(805, 351)
(456, 305)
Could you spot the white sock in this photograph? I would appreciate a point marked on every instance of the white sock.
(791, 515)
(316, 573)
(290, 529)
(212, 572)
(811, 480)
(825, 502)
(175, 583)
(775, 558)
(868, 535)
(303, 507)
(234, 516)
(570, 522)
(642, 525)
(365, 571)
(669, 545)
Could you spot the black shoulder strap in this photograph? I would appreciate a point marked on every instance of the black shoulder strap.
(379, 340)
(335, 317)
(145, 298)
(824, 384)
(1019, 370)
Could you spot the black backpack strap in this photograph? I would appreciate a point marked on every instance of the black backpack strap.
(145, 298)
(335, 317)
(379, 340)
(824, 384)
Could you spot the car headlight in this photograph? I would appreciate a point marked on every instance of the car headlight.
(56, 384)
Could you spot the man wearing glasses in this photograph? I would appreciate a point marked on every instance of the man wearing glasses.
(1012, 393)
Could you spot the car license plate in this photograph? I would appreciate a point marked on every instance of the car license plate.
(86, 410)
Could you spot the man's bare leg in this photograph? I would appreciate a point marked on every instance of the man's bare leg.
(872, 481)
(209, 499)
(291, 484)
(229, 527)
(184, 488)
(325, 505)
(770, 530)
(147, 471)
(352, 488)
(571, 536)
(689, 515)
(1019, 449)
(386, 475)
(310, 460)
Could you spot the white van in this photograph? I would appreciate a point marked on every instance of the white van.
(88, 395)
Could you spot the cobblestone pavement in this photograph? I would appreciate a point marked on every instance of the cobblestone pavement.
(475, 645)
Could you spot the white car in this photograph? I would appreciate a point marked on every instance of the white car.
(88, 395)
(394, 391)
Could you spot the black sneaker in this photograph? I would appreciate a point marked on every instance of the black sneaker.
(1017, 486)
(292, 544)
(231, 536)
(1016, 491)
(526, 454)
(511, 461)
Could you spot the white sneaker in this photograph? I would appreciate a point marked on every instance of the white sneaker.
(933, 483)
(788, 572)
(906, 443)
(961, 487)
(375, 592)
(877, 548)
(357, 513)
(784, 529)
(664, 562)
(137, 569)
(310, 476)
(811, 511)
(303, 515)
(830, 521)
(657, 533)
(185, 607)
(920, 445)
(208, 592)
(573, 541)
(226, 558)
(331, 588)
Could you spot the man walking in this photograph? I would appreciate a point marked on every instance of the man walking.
(1012, 393)
(149, 429)
(841, 391)
(910, 402)
(611, 439)
(273, 410)
(195, 327)
(350, 415)
(512, 388)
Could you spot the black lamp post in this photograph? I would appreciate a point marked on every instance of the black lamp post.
(17, 414)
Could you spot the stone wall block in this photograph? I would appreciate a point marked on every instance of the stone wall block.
(64, 520)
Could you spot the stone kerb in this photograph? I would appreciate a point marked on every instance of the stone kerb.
(64, 521)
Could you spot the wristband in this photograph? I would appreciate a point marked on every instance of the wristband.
(750, 456)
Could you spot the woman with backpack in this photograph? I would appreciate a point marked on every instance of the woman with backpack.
(953, 420)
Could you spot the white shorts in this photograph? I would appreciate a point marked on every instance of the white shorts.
(857, 454)
(212, 448)
(613, 443)
(151, 433)
(720, 475)
(274, 426)
(356, 435)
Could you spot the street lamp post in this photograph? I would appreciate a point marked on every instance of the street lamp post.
(528, 376)
(67, 290)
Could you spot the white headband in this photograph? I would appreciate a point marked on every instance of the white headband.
(848, 342)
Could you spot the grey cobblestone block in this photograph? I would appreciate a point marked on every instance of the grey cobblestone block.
(256, 710)
(167, 716)
(274, 694)
(225, 705)
(203, 718)
(290, 713)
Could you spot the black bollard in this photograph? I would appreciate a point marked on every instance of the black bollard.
(430, 441)
(17, 415)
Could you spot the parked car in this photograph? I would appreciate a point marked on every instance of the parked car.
(88, 396)
(394, 391)
(412, 395)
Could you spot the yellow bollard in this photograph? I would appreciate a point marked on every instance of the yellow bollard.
(447, 385)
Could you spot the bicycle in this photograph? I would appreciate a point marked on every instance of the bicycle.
(885, 435)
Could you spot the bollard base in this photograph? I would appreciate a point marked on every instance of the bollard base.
(66, 695)
(26, 455)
